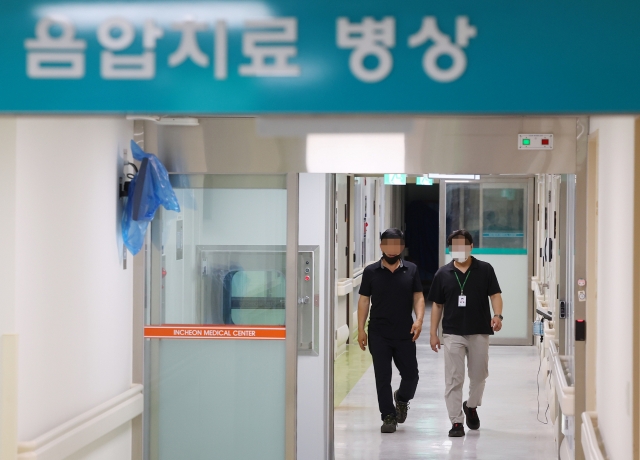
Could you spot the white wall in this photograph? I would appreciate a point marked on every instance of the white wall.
(615, 283)
(7, 223)
(312, 373)
(8, 377)
(73, 298)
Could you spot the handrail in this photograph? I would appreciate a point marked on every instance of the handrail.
(535, 287)
(357, 277)
(549, 335)
(553, 352)
(542, 305)
(591, 443)
(540, 296)
(565, 392)
(341, 337)
(344, 286)
(80, 431)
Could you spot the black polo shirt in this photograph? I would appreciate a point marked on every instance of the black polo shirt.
(391, 298)
(475, 318)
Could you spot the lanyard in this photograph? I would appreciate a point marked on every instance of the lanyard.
(465, 281)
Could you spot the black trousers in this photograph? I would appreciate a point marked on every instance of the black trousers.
(403, 354)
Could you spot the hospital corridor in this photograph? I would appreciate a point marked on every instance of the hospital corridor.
(515, 421)
(320, 230)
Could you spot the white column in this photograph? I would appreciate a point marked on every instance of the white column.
(8, 336)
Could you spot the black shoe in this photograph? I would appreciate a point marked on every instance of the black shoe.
(389, 424)
(473, 421)
(456, 431)
(401, 408)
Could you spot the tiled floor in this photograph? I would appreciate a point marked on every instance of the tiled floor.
(509, 428)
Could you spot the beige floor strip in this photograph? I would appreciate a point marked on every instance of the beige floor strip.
(349, 369)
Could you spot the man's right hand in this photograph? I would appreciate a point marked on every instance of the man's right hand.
(435, 343)
(362, 339)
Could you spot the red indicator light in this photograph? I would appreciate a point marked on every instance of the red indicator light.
(307, 278)
(545, 141)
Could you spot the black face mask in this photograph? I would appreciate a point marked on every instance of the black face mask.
(390, 260)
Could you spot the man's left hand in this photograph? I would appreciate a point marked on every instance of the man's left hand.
(416, 329)
(496, 323)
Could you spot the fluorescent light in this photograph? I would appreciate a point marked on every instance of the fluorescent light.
(454, 176)
(89, 16)
(358, 152)
(270, 126)
(457, 182)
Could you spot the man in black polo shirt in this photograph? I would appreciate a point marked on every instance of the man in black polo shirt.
(462, 288)
(393, 286)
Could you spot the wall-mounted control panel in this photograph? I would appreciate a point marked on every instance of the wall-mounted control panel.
(535, 141)
(308, 300)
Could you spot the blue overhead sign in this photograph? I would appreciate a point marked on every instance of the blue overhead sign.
(319, 56)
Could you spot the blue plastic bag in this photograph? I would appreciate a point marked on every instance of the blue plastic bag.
(149, 189)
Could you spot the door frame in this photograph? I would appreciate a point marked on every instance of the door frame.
(143, 270)
(330, 305)
(291, 321)
(529, 181)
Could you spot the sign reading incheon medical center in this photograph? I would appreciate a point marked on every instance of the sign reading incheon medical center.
(319, 56)
(182, 331)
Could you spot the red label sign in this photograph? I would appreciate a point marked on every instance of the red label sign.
(183, 331)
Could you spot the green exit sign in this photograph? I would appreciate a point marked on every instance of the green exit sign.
(395, 179)
(424, 181)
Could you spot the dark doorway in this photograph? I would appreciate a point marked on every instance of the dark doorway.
(421, 215)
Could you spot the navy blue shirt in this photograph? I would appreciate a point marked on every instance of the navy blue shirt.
(391, 298)
(475, 318)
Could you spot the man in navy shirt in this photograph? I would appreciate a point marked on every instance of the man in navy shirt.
(462, 289)
(393, 287)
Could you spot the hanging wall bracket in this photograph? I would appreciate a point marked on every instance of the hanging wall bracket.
(126, 177)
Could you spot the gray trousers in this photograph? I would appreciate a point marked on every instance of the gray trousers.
(476, 349)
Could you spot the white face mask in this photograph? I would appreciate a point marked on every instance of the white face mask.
(460, 256)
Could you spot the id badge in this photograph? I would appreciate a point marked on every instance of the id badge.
(462, 300)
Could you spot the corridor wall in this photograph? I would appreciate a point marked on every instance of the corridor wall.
(73, 300)
(8, 339)
(614, 360)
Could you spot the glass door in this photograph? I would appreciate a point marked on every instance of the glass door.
(497, 213)
(216, 316)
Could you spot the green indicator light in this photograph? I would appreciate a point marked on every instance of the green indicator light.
(526, 141)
